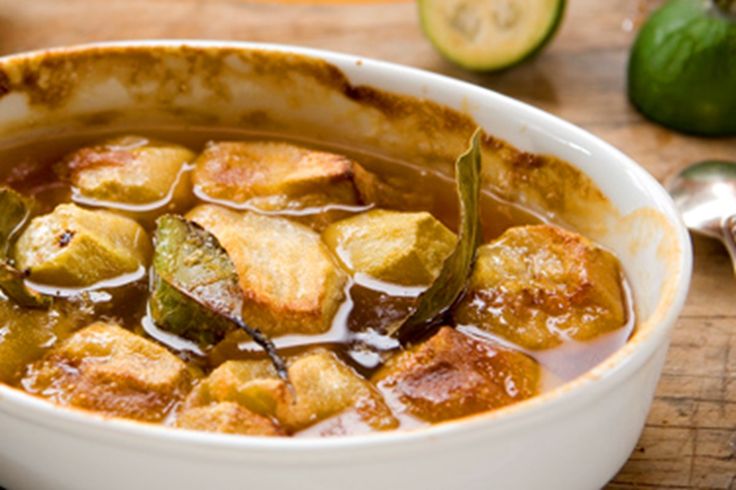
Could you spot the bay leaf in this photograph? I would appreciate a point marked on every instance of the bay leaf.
(15, 210)
(433, 303)
(195, 290)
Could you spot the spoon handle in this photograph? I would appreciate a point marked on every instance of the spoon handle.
(728, 227)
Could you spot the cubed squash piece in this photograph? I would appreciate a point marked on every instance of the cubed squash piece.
(392, 246)
(537, 286)
(275, 176)
(452, 375)
(76, 247)
(323, 385)
(241, 171)
(290, 281)
(130, 170)
(227, 418)
(107, 369)
(25, 334)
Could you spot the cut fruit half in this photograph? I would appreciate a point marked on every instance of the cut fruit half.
(486, 35)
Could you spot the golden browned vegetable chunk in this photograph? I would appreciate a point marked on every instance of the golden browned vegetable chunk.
(323, 386)
(277, 176)
(76, 247)
(228, 418)
(452, 375)
(539, 285)
(290, 281)
(130, 170)
(396, 247)
(25, 334)
(108, 369)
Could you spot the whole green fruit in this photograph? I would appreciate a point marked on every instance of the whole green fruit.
(682, 69)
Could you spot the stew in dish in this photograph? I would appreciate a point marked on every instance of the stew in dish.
(236, 283)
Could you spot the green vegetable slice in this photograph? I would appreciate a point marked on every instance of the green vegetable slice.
(490, 35)
(453, 277)
(196, 294)
(14, 212)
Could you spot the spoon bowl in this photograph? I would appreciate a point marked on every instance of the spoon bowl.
(705, 195)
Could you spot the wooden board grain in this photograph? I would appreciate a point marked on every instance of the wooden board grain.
(690, 438)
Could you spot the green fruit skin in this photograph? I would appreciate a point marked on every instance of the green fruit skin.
(682, 69)
(484, 67)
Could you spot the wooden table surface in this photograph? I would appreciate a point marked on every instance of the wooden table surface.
(690, 438)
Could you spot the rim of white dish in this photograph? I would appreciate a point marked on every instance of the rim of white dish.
(614, 370)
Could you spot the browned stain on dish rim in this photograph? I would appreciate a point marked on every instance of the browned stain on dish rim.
(50, 80)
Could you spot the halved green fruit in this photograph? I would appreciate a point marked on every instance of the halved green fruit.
(682, 70)
(487, 35)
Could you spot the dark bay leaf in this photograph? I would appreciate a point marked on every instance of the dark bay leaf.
(15, 210)
(12, 283)
(452, 280)
(195, 291)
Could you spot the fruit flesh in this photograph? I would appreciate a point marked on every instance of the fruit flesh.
(336, 394)
(400, 248)
(539, 286)
(111, 370)
(322, 387)
(290, 282)
(76, 247)
(276, 176)
(130, 170)
(480, 35)
(227, 418)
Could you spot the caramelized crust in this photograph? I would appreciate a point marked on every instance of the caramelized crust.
(107, 369)
(238, 171)
(323, 386)
(25, 334)
(452, 375)
(228, 418)
(540, 285)
(290, 281)
(130, 170)
(274, 176)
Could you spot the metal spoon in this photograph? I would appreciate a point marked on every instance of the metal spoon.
(705, 194)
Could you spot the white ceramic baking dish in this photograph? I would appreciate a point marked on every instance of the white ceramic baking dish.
(575, 437)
